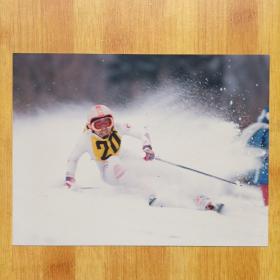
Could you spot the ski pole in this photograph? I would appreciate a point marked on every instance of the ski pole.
(198, 171)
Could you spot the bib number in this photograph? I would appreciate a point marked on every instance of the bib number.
(108, 147)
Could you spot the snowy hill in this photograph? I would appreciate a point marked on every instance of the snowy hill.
(97, 214)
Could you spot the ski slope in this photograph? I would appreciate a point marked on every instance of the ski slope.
(94, 213)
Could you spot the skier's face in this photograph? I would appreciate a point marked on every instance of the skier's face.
(102, 127)
(104, 132)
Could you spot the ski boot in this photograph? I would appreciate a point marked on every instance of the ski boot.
(218, 207)
(152, 199)
(204, 203)
(156, 202)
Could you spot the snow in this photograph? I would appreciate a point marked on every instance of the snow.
(94, 213)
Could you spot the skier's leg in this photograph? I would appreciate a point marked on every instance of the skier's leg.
(201, 202)
(114, 172)
(172, 198)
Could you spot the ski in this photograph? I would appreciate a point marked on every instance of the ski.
(218, 207)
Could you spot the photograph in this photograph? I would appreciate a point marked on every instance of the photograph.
(140, 150)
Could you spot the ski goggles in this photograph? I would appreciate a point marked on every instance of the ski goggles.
(106, 122)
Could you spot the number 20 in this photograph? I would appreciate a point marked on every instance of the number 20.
(104, 145)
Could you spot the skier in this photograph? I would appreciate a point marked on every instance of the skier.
(102, 139)
(257, 135)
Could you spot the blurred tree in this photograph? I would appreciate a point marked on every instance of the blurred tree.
(236, 86)
(246, 83)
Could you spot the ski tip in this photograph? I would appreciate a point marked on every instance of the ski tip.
(152, 200)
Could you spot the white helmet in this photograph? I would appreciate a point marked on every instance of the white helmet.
(99, 111)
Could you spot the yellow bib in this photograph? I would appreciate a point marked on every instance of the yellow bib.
(105, 148)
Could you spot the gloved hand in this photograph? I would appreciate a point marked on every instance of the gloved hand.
(150, 155)
(69, 181)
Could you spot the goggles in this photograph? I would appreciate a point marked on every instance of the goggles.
(106, 122)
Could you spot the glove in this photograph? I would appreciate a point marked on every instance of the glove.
(69, 182)
(150, 155)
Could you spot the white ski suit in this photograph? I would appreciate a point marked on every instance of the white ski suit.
(105, 151)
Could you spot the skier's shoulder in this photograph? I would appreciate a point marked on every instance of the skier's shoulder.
(123, 126)
(130, 126)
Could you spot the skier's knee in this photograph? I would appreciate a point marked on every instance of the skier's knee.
(119, 172)
(114, 174)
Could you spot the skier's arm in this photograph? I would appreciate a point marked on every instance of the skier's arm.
(72, 162)
(141, 134)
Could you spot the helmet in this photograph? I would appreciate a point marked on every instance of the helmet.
(99, 111)
(100, 120)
